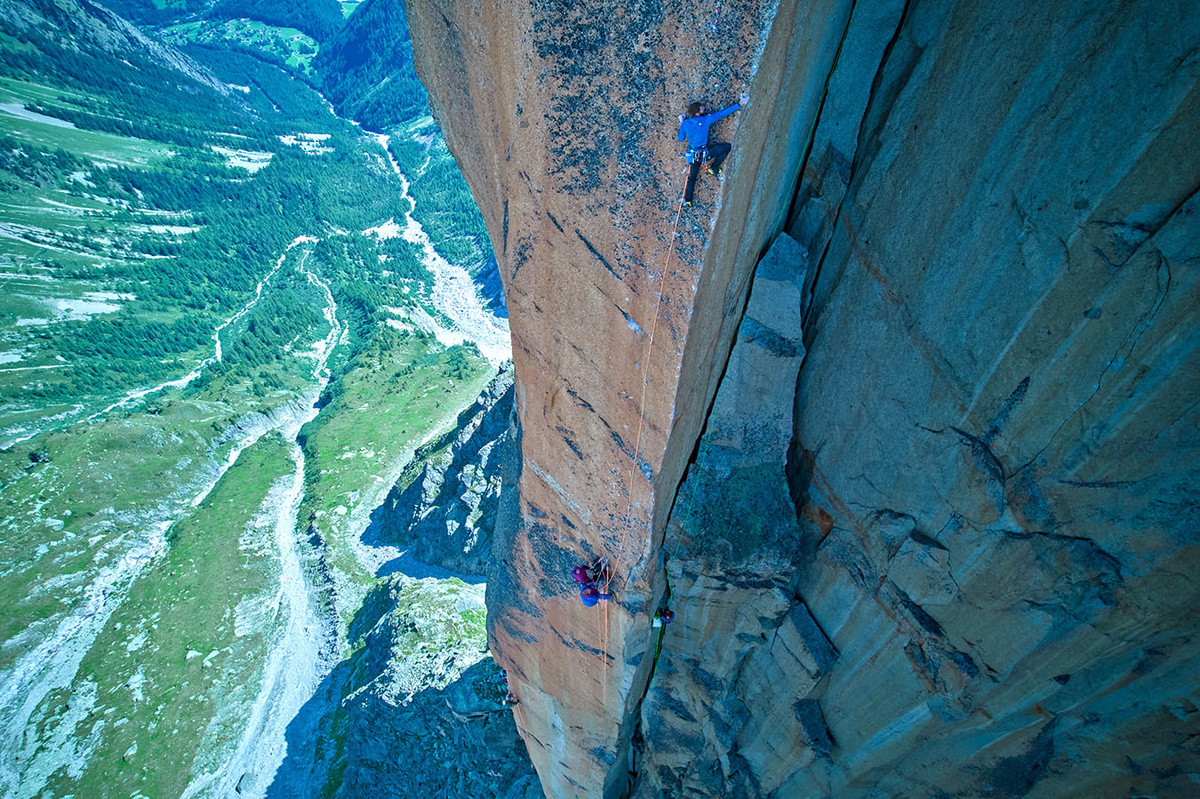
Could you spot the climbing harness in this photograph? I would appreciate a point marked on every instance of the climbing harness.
(694, 154)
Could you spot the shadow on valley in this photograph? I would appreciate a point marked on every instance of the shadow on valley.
(414, 710)
(446, 514)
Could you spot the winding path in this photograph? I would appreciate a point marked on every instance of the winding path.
(178, 382)
(216, 357)
(295, 665)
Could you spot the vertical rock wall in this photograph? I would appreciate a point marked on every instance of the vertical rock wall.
(997, 420)
(563, 117)
(968, 563)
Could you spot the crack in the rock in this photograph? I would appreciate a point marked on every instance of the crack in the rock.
(984, 456)
(806, 313)
(1139, 329)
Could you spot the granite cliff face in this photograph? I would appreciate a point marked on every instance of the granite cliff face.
(445, 514)
(919, 485)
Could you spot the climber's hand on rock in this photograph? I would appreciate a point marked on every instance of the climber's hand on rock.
(744, 100)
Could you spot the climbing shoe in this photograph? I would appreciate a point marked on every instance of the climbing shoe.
(717, 173)
(687, 203)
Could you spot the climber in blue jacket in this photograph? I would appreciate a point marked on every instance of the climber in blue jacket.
(693, 128)
(590, 595)
(589, 579)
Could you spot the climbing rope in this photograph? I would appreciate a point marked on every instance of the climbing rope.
(637, 447)
(604, 649)
(620, 552)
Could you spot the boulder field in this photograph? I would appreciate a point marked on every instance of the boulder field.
(899, 417)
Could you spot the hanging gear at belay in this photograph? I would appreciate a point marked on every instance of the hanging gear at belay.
(664, 616)
(693, 128)
(588, 577)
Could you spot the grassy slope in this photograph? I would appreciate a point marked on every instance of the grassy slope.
(403, 389)
(116, 475)
(187, 640)
(101, 483)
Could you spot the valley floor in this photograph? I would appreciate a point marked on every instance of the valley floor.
(184, 557)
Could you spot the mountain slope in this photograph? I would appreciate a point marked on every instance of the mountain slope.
(318, 18)
(86, 45)
(367, 69)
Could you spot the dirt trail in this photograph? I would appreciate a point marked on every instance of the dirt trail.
(300, 655)
(216, 357)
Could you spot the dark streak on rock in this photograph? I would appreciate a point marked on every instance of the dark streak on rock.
(1016, 776)
(574, 643)
(753, 332)
(603, 755)
(669, 703)
(580, 402)
(504, 249)
(596, 253)
(628, 319)
(927, 622)
(926, 541)
(812, 722)
(521, 256)
(1011, 403)
(566, 436)
(984, 457)
(519, 635)
(555, 221)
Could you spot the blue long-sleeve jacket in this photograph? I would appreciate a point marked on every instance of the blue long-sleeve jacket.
(695, 129)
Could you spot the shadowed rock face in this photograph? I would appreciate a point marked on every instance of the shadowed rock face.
(420, 694)
(446, 515)
(956, 554)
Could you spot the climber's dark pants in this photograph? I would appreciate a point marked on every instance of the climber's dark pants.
(716, 156)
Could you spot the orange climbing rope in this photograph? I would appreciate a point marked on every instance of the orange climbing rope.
(620, 553)
(604, 649)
